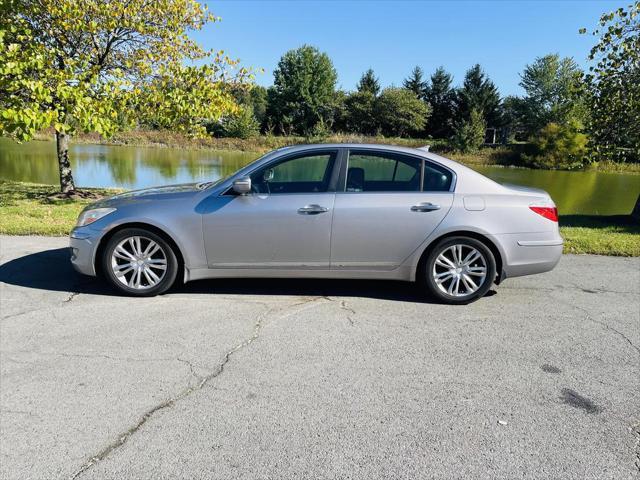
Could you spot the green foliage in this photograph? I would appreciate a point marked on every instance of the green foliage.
(254, 97)
(360, 108)
(303, 91)
(76, 65)
(318, 133)
(183, 99)
(416, 83)
(340, 114)
(400, 113)
(468, 135)
(558, 146)
(553, 94)
(369, 83)
(614, 87)
(478, 93)
(242, 124)
(441, 96)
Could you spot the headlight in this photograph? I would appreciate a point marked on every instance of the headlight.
(89, 216)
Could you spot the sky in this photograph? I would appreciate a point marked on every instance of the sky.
(394, 36)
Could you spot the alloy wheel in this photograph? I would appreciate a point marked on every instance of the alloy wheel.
(459, 270)
(138, 262)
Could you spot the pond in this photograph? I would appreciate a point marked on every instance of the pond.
(138, 167)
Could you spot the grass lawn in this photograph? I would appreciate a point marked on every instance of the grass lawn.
(601, 235)
(25, 209)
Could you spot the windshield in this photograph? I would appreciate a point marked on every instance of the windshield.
(213, 183)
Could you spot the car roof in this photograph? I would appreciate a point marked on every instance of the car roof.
(376, 146)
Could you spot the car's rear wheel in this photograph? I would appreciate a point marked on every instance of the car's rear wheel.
(459, 270)
(139, 262)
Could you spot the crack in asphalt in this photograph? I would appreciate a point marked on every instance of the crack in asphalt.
(635, 430)
(126, 435)
(71, 296)
(25, 312)
(89, 355)
(603, 324)
(20, 412)
(343, 306)
(351, 311)
(555, 288)
(191, 367)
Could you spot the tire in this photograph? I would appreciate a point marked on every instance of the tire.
(452, 281)
(145, 262)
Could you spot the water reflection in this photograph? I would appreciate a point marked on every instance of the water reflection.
(588, 192)
(118, 166)
(139, 167)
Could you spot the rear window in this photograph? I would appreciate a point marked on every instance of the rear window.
(436, 178)
(371, 171)
(382, 172)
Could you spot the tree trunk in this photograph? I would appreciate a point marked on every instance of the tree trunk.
(635, 213)
(66, 178)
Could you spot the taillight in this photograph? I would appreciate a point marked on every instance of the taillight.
(550, 213)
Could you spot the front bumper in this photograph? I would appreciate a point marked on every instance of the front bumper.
(83, 243)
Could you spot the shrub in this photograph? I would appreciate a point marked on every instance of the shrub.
(240, 125)
(400, 113)
(468, 135)
(558, 147)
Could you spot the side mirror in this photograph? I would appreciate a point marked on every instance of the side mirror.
(242, 185)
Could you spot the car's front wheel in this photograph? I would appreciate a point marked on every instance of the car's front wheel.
(139, 262)
(459, 270)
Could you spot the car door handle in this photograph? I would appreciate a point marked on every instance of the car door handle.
(425, 207)
(311, 210)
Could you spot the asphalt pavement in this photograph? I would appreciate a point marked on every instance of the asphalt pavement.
(296, 379)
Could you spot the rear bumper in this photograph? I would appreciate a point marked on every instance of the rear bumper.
(83, 243)
(529, 253)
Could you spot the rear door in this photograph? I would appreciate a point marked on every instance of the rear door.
(386, 206)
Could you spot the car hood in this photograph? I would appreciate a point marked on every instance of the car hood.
(168, 192)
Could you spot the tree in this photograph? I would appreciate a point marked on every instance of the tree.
(558, 146)
(340, 114)
(614, 86)
(258, 102)
(399, 112)
(369, 83)
(303, 91)
(478, 93)
(242, 124)
(361, 113)
(415, 83)
(441, 96)
(552, 86)
(254, 97)
(76, 65)
(512, 119)
(468, 135)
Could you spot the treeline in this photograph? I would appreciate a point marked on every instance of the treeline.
(568, 117)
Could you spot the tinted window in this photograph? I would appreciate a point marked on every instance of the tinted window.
(436, 178)
(382, 172)
(302, 174)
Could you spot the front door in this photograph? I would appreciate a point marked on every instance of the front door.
(284, 223)
(389, 205)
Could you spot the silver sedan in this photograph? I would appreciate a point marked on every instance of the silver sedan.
(325, 211)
